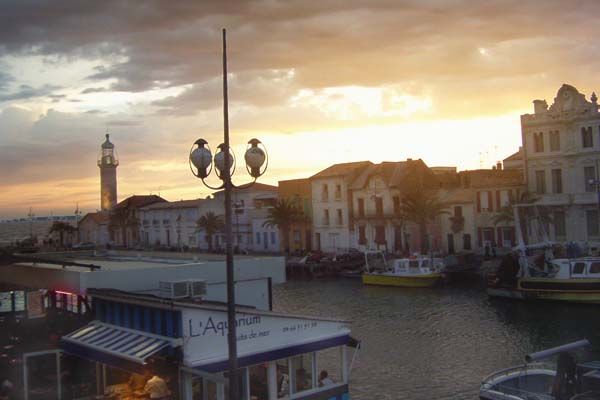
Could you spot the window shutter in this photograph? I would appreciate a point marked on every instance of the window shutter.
(499, 229)
(478, 202)
(510, 196)
(490, 201)
(479, 237)
(498, 205)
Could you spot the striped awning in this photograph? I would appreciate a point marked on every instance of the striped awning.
(128, 344)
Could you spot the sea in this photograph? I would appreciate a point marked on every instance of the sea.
(437, 343)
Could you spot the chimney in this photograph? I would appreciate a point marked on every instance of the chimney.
(540, 106)
(499, 166)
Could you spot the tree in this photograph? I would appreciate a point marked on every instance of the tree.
(122, 218)
(62, 228)
(527, 212)
(210, 223)
(422, 206)
(282, 215)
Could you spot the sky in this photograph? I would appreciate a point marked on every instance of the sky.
(318, 82)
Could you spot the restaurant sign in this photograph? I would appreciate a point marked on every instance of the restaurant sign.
(205, 333)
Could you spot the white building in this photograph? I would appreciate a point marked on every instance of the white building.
(331, 204)
(170, 224)
(246, 203)
(561, 150)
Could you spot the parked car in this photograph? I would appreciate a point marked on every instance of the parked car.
(84, 246)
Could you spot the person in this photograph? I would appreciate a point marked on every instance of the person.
(138, 381)
(156, 388)
(284, 385)
(324, 379)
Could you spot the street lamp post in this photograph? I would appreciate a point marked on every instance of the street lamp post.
(201, 163)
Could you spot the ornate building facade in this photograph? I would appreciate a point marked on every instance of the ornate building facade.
(561, 152)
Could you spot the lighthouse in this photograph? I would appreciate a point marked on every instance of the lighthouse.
(107, 162)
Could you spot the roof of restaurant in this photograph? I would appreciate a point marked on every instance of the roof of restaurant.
(161, 302)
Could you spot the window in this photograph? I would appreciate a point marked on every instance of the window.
(361, 207)
(340, 220)
(587, 140)
(538, 142)
(578, 268)
(504, 198)
(380, 234)
(273, 238)
(362, 237)
(325, 193)
(325, 217)
(589, 174)
(559, 224)
(283, 378)
(557, 181)
(297, 236)
(592, 222)
(302, 373)
(554, 141)
(258, 237)
(396, 200)
(540, 182)
(484, 200)
(379, 206)
(595, 268)
(257, 382)
(457, 211)
(338, 192)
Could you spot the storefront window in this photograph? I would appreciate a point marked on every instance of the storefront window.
(259, 387)
(302, 371)
(283, 378)
(329, 367)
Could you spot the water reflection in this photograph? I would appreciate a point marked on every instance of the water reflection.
(435, 343)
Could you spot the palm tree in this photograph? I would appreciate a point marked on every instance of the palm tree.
(61, 228)
(123, 218)
(506, 215)
(282, 215)
(422, 206)
(210, 223)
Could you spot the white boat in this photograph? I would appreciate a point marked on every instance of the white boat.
(419, 271)
(536, 381)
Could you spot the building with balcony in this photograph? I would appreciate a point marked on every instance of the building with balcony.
(376, 200)
(561, 152)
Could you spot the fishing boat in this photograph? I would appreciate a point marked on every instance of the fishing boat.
(526, 275)
(536, 380)
(418, 271)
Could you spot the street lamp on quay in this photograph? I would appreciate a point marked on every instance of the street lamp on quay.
(201, 163)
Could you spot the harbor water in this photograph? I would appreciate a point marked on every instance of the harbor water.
(437, 343)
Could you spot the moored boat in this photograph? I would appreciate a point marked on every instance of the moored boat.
(566, 380)
(405, 272)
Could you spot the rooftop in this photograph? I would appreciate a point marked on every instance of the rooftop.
(342, 169)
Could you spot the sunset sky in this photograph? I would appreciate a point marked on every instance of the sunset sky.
(319, 82)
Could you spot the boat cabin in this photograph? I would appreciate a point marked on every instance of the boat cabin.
(421, 265)
(182, 345)
(571, 269)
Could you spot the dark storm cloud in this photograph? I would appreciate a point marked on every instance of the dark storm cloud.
(329, 43)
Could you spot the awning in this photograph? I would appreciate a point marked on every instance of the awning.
(108, 341)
